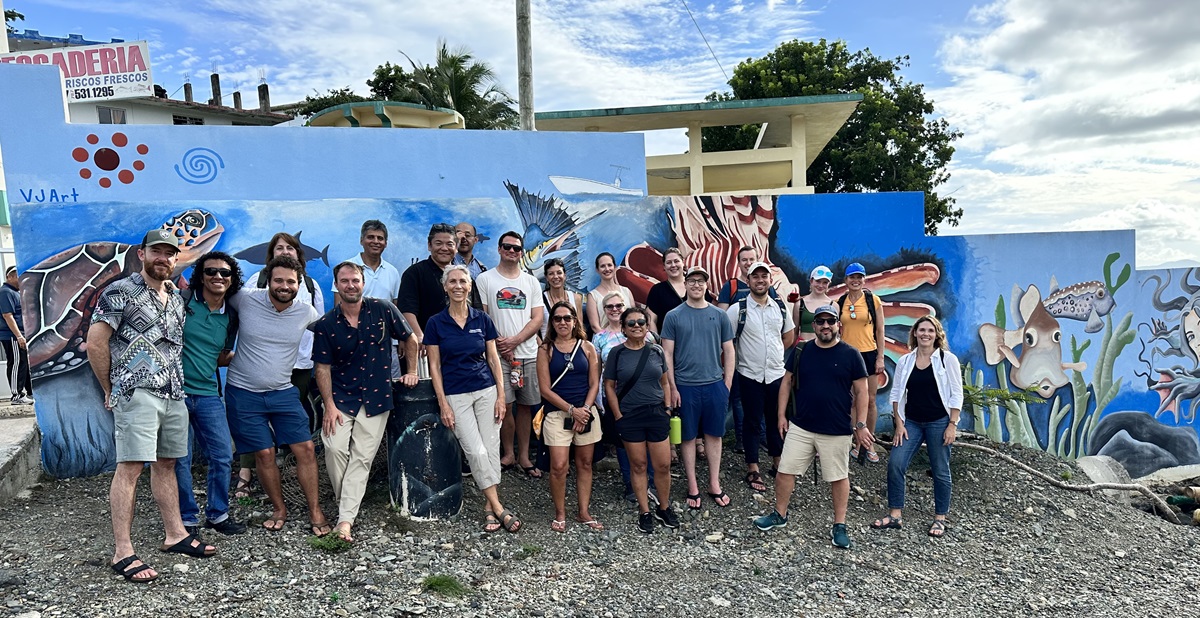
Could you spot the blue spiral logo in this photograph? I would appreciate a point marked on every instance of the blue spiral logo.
(200, 166)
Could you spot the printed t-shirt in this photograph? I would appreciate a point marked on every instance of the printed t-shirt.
(511, 303)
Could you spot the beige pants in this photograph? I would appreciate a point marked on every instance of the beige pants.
(349, 453)
(478, 433)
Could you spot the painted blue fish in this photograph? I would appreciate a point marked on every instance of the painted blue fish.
(550, 232)
(1086, 302)
(258, 253)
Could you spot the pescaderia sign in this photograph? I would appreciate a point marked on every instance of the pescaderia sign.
(96, 72)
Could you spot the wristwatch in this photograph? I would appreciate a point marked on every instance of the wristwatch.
(860, 425)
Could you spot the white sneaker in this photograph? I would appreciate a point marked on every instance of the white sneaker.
(25, 401)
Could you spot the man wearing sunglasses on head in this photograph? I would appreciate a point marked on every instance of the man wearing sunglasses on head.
(209, 332)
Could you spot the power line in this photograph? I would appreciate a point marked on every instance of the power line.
(710, 49)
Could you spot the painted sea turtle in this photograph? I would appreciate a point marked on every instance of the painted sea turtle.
(60, 292)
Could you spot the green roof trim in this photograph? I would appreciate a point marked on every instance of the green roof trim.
(699, 107)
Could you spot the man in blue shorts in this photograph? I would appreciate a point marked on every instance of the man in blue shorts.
(698, 341)
(263, 406)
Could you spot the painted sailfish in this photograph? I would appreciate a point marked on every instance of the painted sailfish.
(550, 232)
(1086, 302)
(1039, 364)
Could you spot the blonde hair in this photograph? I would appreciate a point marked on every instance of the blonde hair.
(939, 338)
(604, 301)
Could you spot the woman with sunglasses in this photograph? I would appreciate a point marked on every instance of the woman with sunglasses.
(638, 400)
(569, 378)
(926, 401)
(606, 265)
(556, 292)
(818, 296)
(468, 380)
(862, 327)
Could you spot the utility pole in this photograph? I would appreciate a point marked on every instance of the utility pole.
(524, 67)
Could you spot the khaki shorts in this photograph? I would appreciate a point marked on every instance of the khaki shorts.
(148, 428)
(528, 394)
(800, 445)
(554, 432)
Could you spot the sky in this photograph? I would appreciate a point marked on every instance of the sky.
(1075, 115)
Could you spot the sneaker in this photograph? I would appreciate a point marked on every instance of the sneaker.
(840, 537)
(667, 518)
(646, 522)
(25, 400)
(770, 521)
(192, 529)
(227, 526)
(652, 497)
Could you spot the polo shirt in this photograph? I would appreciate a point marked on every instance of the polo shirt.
(760, 346)
(475, 267)
(421, 291)
(463, 350)
(360, 358)
(206, 334)
(10, 302)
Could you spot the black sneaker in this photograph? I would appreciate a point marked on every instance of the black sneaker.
(667, 518)
(227, 526)
(646, 522)
(192, 529)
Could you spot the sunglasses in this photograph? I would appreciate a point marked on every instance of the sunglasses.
(614, 307)
(825, 321)
(509, 247)
(213, 272)
(633, 323)
(563, 318)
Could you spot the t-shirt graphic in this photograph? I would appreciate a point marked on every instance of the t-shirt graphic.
(510, 298)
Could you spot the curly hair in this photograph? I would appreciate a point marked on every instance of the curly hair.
(196, 281)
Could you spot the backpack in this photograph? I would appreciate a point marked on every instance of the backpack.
(308, 283)
(841, 302)
(231, 333)
(741, 323)
(794, 368)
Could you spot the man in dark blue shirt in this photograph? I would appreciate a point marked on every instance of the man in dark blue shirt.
(351, 352)
(13, 339)
(823, 375)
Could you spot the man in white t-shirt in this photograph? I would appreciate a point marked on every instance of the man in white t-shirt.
(513, 298)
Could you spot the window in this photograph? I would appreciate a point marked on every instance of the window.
(111, 115)
(186, 120)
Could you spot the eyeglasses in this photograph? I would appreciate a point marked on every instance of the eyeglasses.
(464, 234)
(563, 318)
(696, 282)
(825, 321)
(223, 272)
(508, 247)
(633, 323)
(615, 307)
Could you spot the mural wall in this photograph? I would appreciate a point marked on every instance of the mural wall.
(1107, 355)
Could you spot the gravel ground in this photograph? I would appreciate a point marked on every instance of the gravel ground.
(1015, 547)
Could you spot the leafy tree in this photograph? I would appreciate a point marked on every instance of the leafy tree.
(889, 143)
(391, 82)
(314, 104)
(11, 15)
(457, 81)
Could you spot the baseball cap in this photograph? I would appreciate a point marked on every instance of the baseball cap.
(159, 237)
(821, 272)
(855, 269)
(830, 309)
(696, 270)
(757, 265)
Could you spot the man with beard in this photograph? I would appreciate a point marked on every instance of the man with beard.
(209, 332)
(467, 237)
(821, 376)
(134, 346)
(380, 278)
(351, 353)
(421, 292)
(263, 406)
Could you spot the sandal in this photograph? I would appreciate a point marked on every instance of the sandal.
(490, 523)
(558, 525)
(938, 528)
(343, 534)
(755, 481)
(190, 546)
(509, 520)
(591, 523)
(694, 498)
(532, 472)
(123, 569)
(244, 488)
(717, 497)
(872, 456)
(274, 524)
(887, 522)
(320, 529)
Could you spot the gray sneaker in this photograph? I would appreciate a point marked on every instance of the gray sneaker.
(841, 538)
(25, 400)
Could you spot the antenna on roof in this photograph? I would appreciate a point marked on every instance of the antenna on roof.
(262, 75)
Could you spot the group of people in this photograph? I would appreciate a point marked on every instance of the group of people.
(498, 347)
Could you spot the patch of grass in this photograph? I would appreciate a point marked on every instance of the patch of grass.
(1066, 474)
(334, 597)
(395, 521)
(528, 551)
(445, 585)
(330, 543)
(248, 502)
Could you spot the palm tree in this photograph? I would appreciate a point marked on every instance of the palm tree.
(456, 80)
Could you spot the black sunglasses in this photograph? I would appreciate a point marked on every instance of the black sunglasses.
(563, 318)
(638, 322)
(825, 321)
(213, 272)
(508, 247)
(614, 307)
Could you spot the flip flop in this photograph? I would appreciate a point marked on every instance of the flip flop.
(532, 472)
(279, 521)
(185, 547)
(490, 523)
(509, 520)
(696, 499)
(558, 525)
(591, 523)
(321, 529)
(717, 498)
(887, 522)
(122, 568)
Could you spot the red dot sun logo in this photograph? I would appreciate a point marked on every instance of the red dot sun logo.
(106, 160)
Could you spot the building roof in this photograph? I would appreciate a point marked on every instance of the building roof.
(241, 116)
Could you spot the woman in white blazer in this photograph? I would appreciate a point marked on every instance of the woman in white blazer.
(926, 401)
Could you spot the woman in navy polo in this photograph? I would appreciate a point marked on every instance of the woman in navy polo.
(465, 368)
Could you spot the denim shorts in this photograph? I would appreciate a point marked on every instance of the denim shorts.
(259, 421)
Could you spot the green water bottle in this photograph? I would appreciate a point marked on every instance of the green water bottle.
(676, 430)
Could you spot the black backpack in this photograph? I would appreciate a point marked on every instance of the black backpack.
(841, 302)
(741, 323)
(794, 368)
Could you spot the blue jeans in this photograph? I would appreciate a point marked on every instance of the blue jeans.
(623, 463)
(939, 460)
(210, 430)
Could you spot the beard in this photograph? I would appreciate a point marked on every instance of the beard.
(351, 298)
(283, 295)
(159, 271)
(826, 336)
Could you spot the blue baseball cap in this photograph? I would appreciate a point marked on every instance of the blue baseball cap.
(855, 269)
(821, 272)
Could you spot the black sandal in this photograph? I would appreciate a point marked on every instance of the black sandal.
(755, 481)
(185, 547)
(123, 569)
(887, 522)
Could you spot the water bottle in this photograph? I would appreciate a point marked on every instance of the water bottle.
(676, 430)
